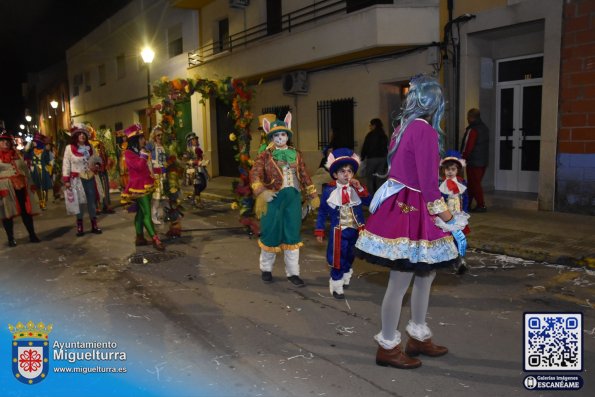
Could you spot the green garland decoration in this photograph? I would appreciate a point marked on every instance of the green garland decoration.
(233, 92)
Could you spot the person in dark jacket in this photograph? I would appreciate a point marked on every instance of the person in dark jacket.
(475, 149)
(374, 153)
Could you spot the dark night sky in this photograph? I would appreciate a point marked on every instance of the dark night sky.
(35, 34)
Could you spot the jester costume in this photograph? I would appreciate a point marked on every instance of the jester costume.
(140, 186)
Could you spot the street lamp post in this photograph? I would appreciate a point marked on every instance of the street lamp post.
(54, 105)
(148, 55)
(28, 118)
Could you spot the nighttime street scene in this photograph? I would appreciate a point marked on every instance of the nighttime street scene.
(333, 198)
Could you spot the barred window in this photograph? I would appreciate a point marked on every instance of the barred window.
(280, 111)
(336, 123)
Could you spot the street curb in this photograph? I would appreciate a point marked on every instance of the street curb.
(587, 262)
(217, 197)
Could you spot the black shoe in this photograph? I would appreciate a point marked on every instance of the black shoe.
(297, 281)
(479, 209)
(34, 239)
(267, 277)
(339, 296)
(96, 230)
(12, 242)
(460, 266)
(345, 286)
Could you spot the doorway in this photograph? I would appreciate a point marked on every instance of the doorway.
(228, 166)
(518, 127)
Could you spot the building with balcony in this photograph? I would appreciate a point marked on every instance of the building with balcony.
(334, 64)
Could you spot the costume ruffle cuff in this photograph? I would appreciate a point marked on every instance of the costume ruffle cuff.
(388, 344)
(436, 251)
(459, 221)
(437, 206)
(421, 332)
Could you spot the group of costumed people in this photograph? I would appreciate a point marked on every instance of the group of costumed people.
(26, 178)
(416, 225)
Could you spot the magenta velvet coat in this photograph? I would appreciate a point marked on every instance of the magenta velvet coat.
(401, 233)
(140, 180)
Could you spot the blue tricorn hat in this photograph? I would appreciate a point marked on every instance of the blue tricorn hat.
(341, 157)
(454, 155)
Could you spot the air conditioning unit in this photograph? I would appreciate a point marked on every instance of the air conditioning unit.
(239, 3)
(295, 82)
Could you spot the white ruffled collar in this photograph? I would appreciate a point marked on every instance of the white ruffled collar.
(336, 200)
(445, 190)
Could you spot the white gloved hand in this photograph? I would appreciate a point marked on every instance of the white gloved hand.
(268, 195)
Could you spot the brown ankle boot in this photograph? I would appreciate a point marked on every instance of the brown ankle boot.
(415, 347)
(395, 358)
(140, 240)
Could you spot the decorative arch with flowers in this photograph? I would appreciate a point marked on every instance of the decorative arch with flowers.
(234, 93)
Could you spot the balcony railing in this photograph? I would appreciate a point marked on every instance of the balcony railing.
(289, 21)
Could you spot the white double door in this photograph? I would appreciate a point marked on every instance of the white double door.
(518, 135)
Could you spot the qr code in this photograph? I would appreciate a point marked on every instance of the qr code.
(553, 341)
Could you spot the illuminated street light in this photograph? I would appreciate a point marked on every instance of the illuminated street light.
(22, 126)
(28, 118)
(148, 55)
(54, 104)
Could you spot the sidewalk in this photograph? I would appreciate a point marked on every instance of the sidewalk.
(553, 237)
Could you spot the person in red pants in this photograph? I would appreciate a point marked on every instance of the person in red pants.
(475, 149)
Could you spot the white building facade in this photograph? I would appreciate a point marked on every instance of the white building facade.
(334, 64)
(107, 76)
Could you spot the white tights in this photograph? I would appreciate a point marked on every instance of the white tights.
(398, 284)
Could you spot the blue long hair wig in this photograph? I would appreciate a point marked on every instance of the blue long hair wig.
(425, 99)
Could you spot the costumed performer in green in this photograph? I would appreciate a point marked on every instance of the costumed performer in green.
(278, 179)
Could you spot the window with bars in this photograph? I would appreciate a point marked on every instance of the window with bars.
(279, 111)
(335, 121)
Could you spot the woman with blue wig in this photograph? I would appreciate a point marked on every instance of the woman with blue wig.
(410, 229)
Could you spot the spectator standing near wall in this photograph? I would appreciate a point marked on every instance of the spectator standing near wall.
(475, 149)
(374, 154)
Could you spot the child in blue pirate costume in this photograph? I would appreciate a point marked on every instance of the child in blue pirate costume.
(278, 178)
(341, 201)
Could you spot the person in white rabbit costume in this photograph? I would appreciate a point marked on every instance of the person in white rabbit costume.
(278, 178)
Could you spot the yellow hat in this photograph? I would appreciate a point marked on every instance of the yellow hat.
(269, 116)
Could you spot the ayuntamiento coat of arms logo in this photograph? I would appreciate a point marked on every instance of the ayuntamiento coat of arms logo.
(30, 351)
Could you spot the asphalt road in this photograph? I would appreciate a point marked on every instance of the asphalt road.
(197, 320)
